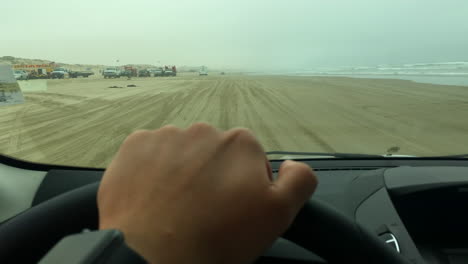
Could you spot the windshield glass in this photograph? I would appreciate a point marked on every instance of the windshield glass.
(364, 76)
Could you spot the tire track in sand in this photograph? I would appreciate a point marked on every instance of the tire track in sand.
(255, 120)
(275, 101)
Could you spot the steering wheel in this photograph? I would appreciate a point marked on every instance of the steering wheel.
(318, 227)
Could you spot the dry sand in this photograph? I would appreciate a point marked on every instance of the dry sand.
(82, 121)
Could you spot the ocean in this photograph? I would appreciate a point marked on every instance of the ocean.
(432, 79)
(445, 73)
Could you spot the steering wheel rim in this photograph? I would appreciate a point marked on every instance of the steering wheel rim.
(318, 228)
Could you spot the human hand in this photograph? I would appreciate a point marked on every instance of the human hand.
(199, 195)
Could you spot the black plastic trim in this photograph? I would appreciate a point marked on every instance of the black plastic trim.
(57, 182)
(333, 163)
(406, 180)
(373, 163)
(28, 165)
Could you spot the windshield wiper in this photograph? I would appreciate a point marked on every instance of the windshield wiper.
(324, 154)
(357, 155)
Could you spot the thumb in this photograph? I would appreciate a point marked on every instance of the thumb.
(296, 182)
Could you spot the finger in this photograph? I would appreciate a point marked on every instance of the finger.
(296, 182)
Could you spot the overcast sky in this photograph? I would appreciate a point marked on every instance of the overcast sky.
(265, 34)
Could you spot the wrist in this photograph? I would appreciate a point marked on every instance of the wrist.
(135, 241)
(158, 247)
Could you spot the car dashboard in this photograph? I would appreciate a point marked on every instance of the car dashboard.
(418, 207)
(419, 211)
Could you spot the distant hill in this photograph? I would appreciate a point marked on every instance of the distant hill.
(24, 61)
(14, 60)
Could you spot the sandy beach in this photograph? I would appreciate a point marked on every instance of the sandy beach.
(82, 122)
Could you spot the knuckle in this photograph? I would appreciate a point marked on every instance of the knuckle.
(244, 135)
(136, 137)
(141, 133)
(169, 128)
(167, 131)
(201, 126)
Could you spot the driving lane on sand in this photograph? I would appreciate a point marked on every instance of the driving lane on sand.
(82, 121)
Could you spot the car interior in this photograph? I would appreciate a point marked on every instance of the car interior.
(389, 209)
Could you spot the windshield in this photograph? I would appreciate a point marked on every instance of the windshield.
(325, 76)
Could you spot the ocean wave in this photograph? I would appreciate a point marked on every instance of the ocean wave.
(449, 68)
(385, 73)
